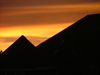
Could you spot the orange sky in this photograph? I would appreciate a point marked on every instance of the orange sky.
(40, 21)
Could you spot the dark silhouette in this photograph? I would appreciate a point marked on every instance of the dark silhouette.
(18, 55)
(75, 47)
(75, 50)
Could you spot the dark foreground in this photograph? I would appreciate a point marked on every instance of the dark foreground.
(53, 71)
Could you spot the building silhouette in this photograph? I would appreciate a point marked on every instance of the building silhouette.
(75, 50)
(76, 46)
(18, 55)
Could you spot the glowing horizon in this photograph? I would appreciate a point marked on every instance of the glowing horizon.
(40, 22)
(35, 31)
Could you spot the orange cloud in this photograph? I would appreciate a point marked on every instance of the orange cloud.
(41, 22)
(50, 9)
(47, 14)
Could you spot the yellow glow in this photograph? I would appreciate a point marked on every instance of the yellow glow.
(35, 30)
(4, 46)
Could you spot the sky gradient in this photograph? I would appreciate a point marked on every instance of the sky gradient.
(39, 20)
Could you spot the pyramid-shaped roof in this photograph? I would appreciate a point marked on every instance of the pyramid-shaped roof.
(79, 42)
(19, 54)
(20, 45)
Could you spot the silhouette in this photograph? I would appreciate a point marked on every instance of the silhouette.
(18, 55)
(75, 50)
(76, 46)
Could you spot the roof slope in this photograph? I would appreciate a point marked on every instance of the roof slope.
(19, 54)
(77, 43)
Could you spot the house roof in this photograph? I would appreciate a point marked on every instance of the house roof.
(19, 54)
(77, 43)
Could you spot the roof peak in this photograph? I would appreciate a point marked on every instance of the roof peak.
(22, 36)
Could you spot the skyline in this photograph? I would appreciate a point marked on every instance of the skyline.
(41, 19)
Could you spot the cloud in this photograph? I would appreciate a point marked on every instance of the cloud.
(49, 14)
(7, 39)
(15, 3)
(5, 42)
(47, 9)
(20, 14)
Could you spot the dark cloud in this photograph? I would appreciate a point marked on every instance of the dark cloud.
(15, 3)
(8, 39)
(44, 18)
(38, 19)
(38, 16)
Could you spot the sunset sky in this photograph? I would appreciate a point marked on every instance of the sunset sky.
(39, 20)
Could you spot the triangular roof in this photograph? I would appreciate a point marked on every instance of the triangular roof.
(19, 54)
(21, 44)
(79, 42)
